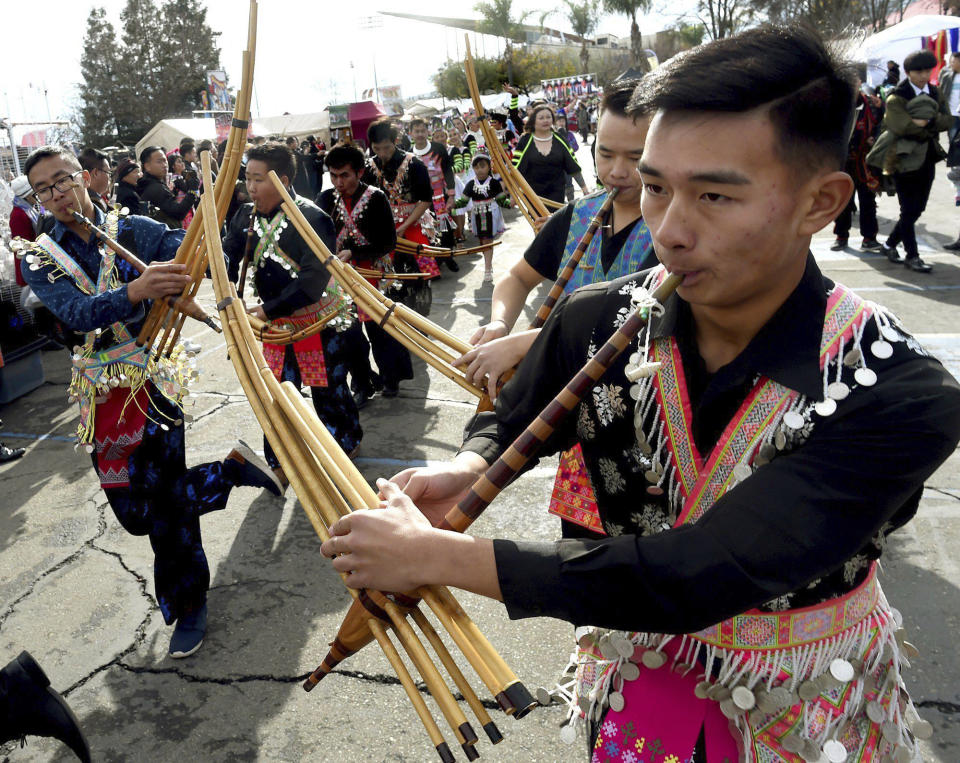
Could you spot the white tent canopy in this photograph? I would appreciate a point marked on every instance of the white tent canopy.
(896, 42)
(168, 132)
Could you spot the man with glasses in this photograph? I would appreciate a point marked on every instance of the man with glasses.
(131, 419)
(97, 163)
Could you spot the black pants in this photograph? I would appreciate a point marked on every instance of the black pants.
(392, 358)
(913, 191)
(868, 214)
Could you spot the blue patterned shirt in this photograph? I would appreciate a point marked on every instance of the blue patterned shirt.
(150, 240)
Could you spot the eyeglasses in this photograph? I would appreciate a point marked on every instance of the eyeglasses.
(63, 185)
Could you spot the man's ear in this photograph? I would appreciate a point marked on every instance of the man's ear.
(828, 195)
(85, 178)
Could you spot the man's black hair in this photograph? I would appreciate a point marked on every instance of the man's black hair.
(45, 152)
(148, 152)
(920, 60)
(344, 156)
(277, 157)
(616, 97)
(292, 139)
(807, 92)
(380, 130)
(187, 147)
(417, 122)
(93, 159)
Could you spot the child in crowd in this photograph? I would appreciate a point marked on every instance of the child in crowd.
(486, 220)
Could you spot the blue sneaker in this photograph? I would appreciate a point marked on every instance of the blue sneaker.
(188, 635)
(254, 470)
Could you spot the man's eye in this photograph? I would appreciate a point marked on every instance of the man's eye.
(653, 188)
(714, 197)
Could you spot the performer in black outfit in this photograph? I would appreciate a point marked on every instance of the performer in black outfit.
(366, 239)
(294, 286)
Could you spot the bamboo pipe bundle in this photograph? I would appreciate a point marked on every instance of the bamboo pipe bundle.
(526, 200)
(371, 273)
(192, 251)
(426, 250)
(328, 487)
(271, 333)
(423, 338)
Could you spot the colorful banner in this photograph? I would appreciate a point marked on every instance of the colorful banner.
(565, 88)
(338, 116)
(219, 96)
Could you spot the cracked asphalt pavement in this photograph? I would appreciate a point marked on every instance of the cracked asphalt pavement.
(76, 590)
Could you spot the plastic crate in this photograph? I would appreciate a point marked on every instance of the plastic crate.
(22, 371)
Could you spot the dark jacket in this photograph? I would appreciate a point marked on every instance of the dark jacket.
(165, 206)
(128, 197)
(898, 121)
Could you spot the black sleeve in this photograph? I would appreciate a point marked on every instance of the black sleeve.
(378, 228)
(313, 277)
(446, 165)
(570, 165)
(158, 195)
(796, 519)
(369, 177)
(496, 188)
(558, 352)
(235, 242)
(546, 250)
(420, 181)
(325, 201)
(468, 189)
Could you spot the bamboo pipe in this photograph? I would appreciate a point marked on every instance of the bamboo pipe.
(550, 203)
(186, 306)
(464, 731)
(556, 291)
(488, 486)
(457, 675)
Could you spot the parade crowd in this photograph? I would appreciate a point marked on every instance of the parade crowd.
(725, 487)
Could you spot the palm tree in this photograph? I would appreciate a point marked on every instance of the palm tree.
(498, 21)
(630, 8)
(583, 16)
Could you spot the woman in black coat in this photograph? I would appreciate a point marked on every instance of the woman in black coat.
(152, 188)
(128, 174)
(544, 158)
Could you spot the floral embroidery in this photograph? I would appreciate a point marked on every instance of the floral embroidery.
(586, 429)
(650, 520)
(609, 401)
(852, 567)
(613, 481)
(621, 317)
(609, 728)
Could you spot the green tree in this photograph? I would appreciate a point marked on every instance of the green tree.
(99, 63)
(630, 8)
(138, 76)
(451, 79)
(498, 20)
(529, 67)
(188, 52)
(583, 17)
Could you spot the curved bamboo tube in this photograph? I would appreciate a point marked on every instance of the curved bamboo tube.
(505, 468)
(426, 250)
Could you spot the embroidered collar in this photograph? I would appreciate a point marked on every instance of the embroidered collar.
(786, 349)
(423, 151)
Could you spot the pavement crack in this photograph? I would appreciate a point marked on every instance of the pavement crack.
(943, 492)
(940, 705)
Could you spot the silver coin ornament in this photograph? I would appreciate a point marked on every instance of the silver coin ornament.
(744, 698)
(811, 752)
(768, 451)
(629, 671)
(616, 701)
(875, 712)
(653, 659)
(607, 650)
(922, 729)
(742, 471)
(842, 670)
(890, 333)
(793, 420)
(834, 751)
(792, 743)
(780, 697)
(838, 391)
(568, 734)
(826, 407)
(881, 349)
(865, 377)
(809, 690)
(729, 709)
(623, 645)
(891, 732)
(780, 440)
(852, 357)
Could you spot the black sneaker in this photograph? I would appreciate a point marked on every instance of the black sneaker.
(954, 246)
(10, 454)
(256, 472)
(870, 245)
(838, 244)
(361, 398)
(390, 390)
(891, 253)
(917, 265)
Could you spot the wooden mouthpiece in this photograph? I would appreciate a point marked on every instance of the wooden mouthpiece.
(443, 750)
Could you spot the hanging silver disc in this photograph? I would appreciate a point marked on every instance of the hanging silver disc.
(852, 357)
(653, 659)
(835, 751)
(838, 390)
(742, 471)
(780, 440)
(544, 697)
(826, 407)
(616, 701)
(629, 671)
(881, 349)
(568, 734)
(744, 698)
(890, 333)
(793, 420)
(842, 670)
(865, 377)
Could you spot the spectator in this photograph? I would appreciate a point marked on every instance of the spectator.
(951, 94)
(301, 179)
(188, 152)
(207, 145)
(24, 217)
(97, 163)
(153, 189)
(571, 140)
(866, 126)
(128, 174)
(544, 158)
(913, 171)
